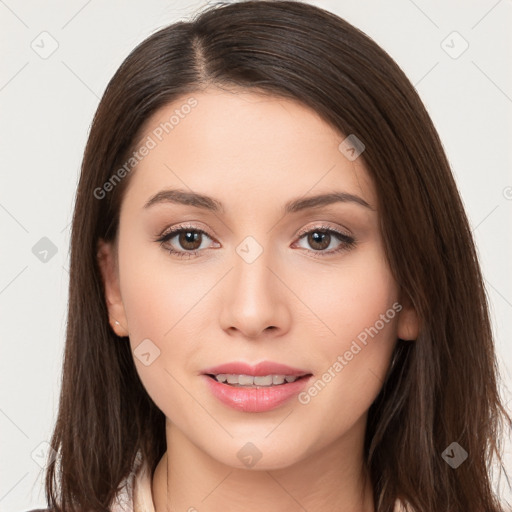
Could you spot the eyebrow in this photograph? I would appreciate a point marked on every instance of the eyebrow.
(183, 197)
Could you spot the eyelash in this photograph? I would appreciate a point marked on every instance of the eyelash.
(347, 242)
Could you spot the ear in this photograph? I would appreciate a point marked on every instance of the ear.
(408, 322)
(107, 261)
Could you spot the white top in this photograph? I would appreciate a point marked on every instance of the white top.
(136, 495)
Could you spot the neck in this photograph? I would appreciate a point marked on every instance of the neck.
(333, 478)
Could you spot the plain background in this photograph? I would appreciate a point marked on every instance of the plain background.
(47, 103)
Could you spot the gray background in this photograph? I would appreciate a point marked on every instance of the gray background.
(47, 102)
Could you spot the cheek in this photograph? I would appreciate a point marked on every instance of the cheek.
(159, 308)
(158, 295)
(359, 310)
(159, 317)
(349, 297)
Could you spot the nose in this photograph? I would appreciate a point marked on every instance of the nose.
(255, 299)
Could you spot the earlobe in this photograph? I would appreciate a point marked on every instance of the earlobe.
(408, 322)
(107, 263)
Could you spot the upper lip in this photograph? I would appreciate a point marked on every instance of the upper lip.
(260, 369)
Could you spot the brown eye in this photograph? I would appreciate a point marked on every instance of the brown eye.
(189, 240)
(183, 241)
(319, 240)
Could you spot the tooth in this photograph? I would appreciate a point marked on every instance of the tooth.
(249, 380)
(245, 380)
(266, 380)
(277, 379)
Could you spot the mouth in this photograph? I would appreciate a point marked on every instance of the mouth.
(255, 381)
(255, 388)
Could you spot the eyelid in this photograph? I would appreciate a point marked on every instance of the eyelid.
(307, 229)
(171, 229)
(323, 226)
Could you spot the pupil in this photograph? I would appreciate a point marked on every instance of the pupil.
(320, 238)
(188, 239)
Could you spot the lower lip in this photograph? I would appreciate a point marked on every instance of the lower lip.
(255, 399)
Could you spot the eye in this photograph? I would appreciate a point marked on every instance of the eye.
(188, 239)
(322, 237)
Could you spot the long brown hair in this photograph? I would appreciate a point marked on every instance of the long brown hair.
(441, 388)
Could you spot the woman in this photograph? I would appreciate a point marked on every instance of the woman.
(275, 301)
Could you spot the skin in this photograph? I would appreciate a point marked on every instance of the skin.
(254, 153)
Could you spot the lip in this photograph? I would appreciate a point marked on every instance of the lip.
(258, 370)
(256, 399)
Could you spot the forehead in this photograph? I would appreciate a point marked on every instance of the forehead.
(243, 144)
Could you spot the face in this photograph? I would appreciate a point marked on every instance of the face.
(259, 273)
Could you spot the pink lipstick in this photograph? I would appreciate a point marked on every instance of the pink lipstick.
(255, 388)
